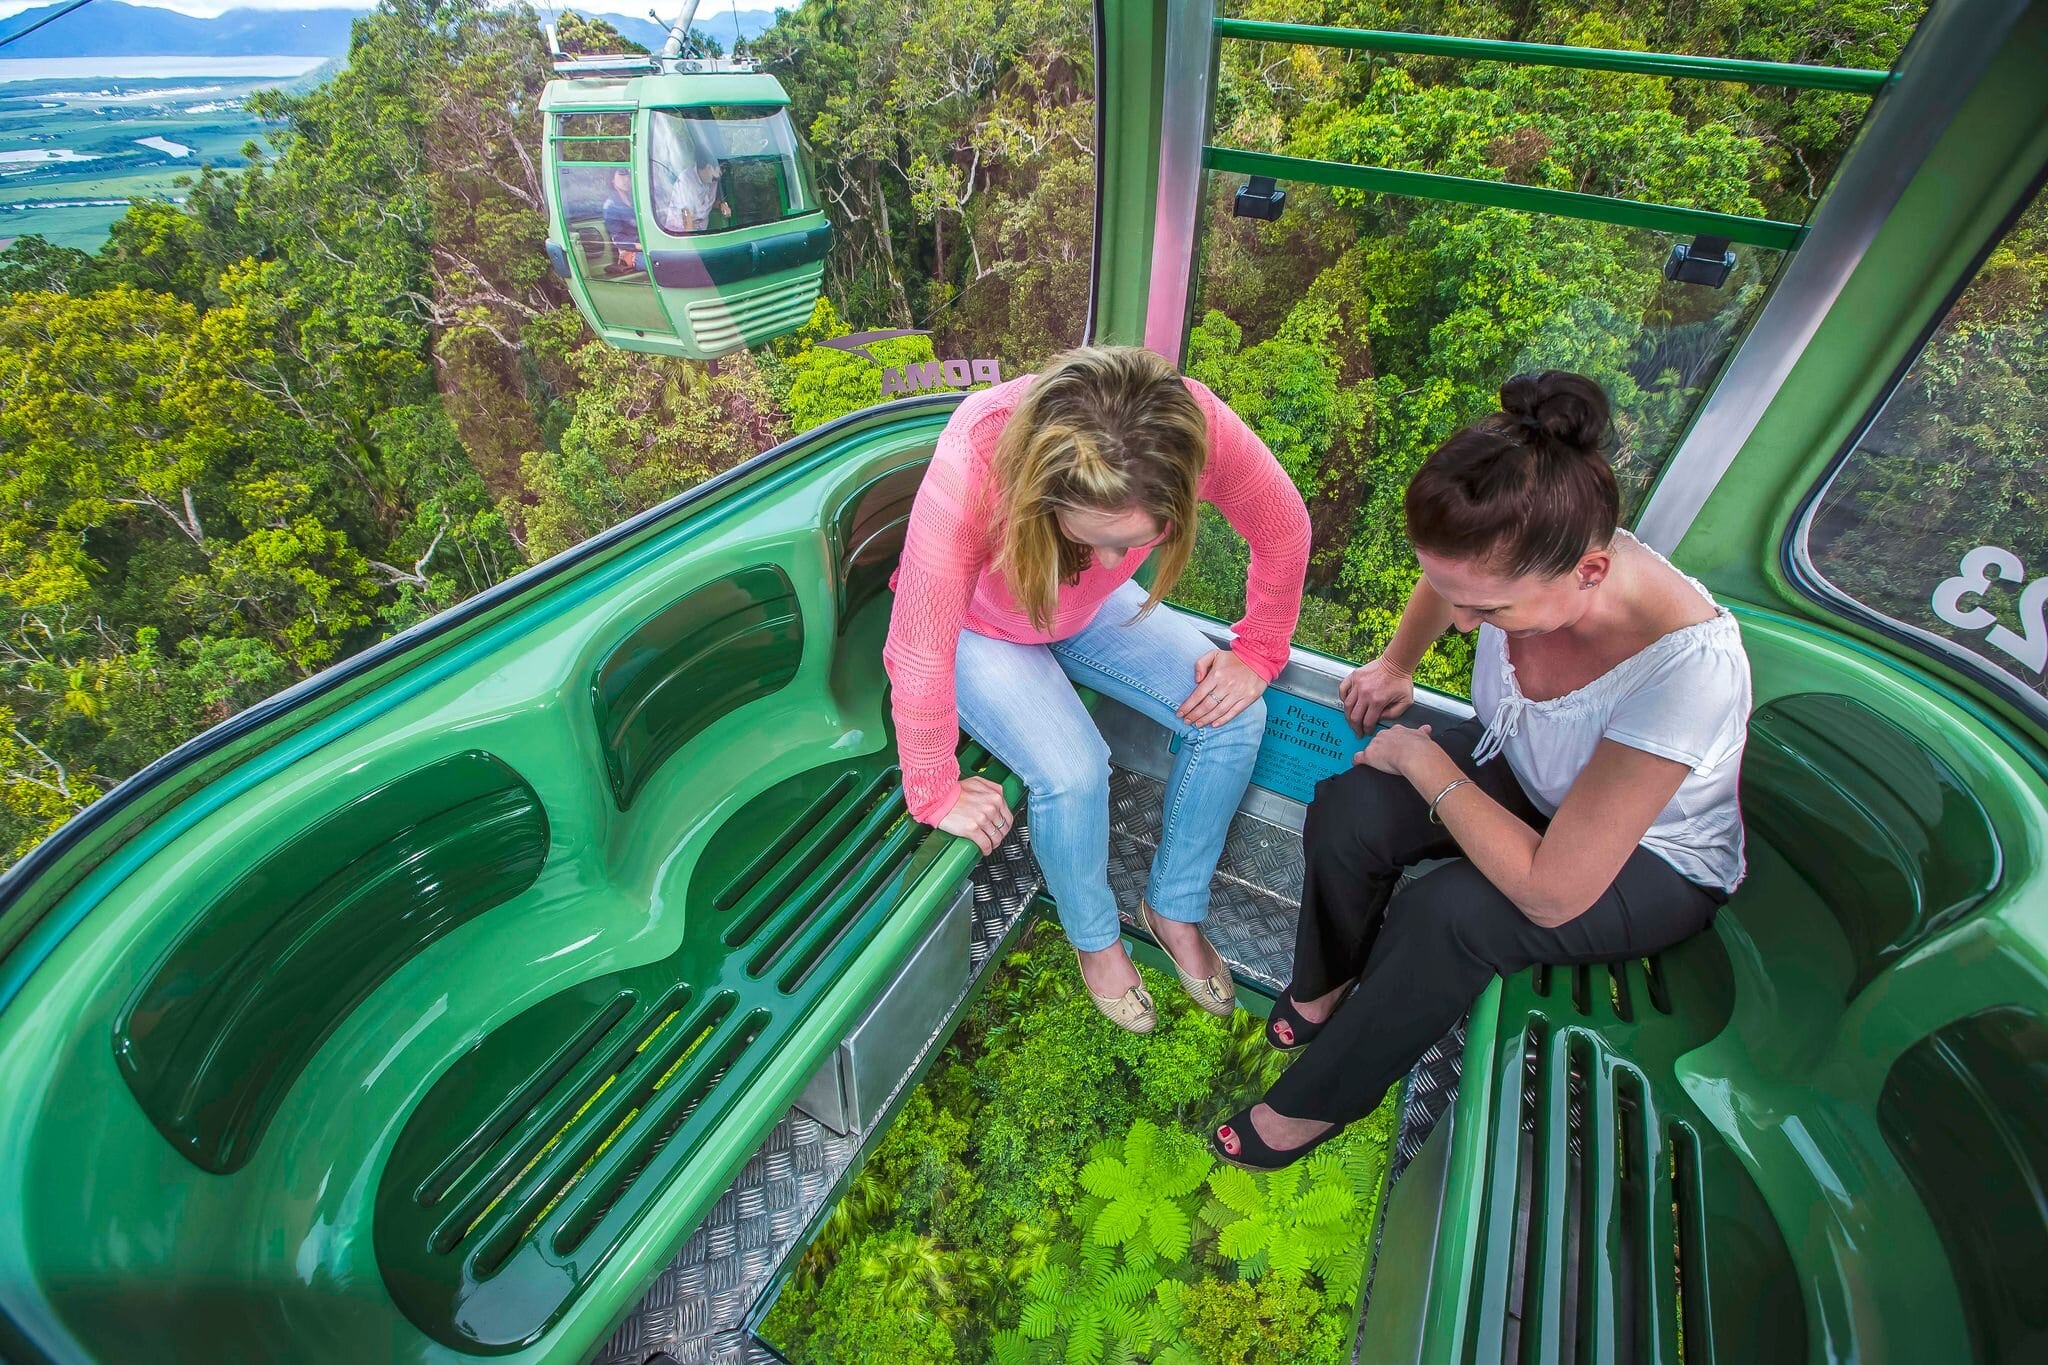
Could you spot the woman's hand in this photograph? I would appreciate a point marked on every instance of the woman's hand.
(1375, 692)
(1397, 748)
(1224, 686)
(979, 813)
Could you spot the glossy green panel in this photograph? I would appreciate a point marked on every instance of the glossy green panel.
(700, 658)
(1598, 1155)
(531, 1157)
(262, 974)
(869, 537)
(1966, 1113)
(115, 1237)
(1881, 828)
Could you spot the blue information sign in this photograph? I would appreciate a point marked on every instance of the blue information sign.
(1305, 742)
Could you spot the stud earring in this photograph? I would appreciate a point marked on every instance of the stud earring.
(1585, 583)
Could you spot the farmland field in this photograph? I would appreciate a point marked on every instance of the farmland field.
(75, 149)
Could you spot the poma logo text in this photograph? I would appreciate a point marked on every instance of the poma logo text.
(933, 374)
(922, 376)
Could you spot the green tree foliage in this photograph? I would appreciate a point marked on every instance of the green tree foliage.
(816, 384)
(1269, 1321)
(1040, 1193)
(351, 392)
(877, 1305)
(33, 265)
(1288, 1222)
(1087, 1305)
(645, 429)
(954, 149)
(1142, 1192)
(581, 37)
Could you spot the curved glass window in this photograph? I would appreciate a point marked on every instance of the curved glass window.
(716, 167)
(1934, 525)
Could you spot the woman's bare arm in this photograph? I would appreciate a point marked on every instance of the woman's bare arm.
(1555, 876)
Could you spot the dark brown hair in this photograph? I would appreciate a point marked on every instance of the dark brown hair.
(1527, 490)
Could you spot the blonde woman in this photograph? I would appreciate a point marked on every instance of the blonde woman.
(1044, 497)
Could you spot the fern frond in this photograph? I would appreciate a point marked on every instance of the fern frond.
(1171, 1230)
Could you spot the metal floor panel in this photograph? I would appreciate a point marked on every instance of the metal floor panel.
(1253, 899)
(698, 1308)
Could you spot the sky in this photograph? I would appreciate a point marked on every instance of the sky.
(209, 8)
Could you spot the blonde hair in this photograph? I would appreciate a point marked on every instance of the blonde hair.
(1102, 429)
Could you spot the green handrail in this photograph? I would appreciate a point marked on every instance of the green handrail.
(1458, 189)
(1853, 81)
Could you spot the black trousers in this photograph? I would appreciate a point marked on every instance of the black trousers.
(1421, 958)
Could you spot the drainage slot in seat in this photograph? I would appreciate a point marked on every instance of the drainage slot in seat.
(878, 881)
(739, 886)
(653, 1066)
(681, 1102)
(436, 1186)
(521, 1160)
(794, 891)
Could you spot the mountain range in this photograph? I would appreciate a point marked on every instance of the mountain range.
(109, 28)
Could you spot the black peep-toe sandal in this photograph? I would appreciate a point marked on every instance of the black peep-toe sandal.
(1305, 1030)
(1253, 1153)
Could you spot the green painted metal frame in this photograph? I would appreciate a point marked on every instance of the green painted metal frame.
(1130, 73)
(1459, 189)
(1732, 69)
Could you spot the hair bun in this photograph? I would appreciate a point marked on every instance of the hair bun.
(1558, 408)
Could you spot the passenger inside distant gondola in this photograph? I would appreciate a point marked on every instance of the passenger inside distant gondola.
(687, 177)
(621, 225)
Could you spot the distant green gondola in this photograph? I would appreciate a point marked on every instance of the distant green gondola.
(681, 206)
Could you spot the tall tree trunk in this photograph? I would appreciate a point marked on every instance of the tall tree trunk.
(898, 298)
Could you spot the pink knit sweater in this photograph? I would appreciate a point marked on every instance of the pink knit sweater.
(946, 581)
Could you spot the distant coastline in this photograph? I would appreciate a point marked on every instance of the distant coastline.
(131, 68)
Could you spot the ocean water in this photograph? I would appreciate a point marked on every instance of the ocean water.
(127, 68)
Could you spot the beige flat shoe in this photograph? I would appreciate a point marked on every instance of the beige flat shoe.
(1217, 994)
(1132, 1011)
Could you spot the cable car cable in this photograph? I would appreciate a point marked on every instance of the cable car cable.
(45, 22)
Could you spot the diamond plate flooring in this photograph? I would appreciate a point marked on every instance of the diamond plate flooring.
(1253, 898)
(697, 1310)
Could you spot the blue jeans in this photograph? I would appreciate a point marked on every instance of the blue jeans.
(1017, 701)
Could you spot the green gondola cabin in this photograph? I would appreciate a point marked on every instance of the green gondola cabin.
(682, 212)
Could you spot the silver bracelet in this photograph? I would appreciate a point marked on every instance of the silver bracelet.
(1461, 782)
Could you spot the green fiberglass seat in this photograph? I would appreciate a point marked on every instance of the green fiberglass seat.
(423, 1019)
(681, 208)
(1809, 1134)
